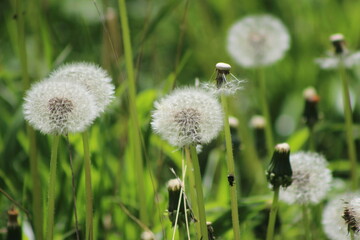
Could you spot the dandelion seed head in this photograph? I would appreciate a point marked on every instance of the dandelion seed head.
(187, 116)
(258, 40)
(333, 223)
(93, 77)
(310, 180)
(223, 66)
(59, 107)
(337, 37)
(174, 184)
(310, 93)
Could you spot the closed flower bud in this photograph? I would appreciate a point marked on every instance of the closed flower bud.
(310, 113)
(279, 172)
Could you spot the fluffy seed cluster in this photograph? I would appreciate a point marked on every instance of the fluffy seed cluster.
(93, 77)
(333, 222)
(187, 116)
(59, 107)
(69, 100)
(258, 40)
(310, 180)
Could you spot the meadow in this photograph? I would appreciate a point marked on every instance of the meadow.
(149, 49)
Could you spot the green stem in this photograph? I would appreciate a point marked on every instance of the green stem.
(88, 187)
(306, 222)
(311, 139)
(133, 111)
(352, 235)
(194, 206)
(349, 126)
(51, 188)
(272, 217)
(199, 193)
(231, 170)
(36, 185)
(265, 111)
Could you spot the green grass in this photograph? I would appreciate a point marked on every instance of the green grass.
(172, 44)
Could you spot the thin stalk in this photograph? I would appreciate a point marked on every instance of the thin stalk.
(194, 205)
(349, 126)
(272, 217)
(231, 170)
(88, 188)
(199, 193)
(133, 111)
(36, 185)
(311, 139)
(306, 221)
(352, 235)
(51, 188)
(265, 111)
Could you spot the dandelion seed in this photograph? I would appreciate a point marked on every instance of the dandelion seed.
(258, 40)
(93, 77)
(340, 55)
(352, 214)
(59, 107)
(226, 82)
(187, 116)
(310, 180)
(334, 225)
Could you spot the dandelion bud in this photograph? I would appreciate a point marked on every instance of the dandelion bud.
(211, 233)
(147, 235)
(258, 124)
(310, 113)
(13, 227)
(59, 107)
(352, 214)
(338, 42)
(174, 189)
(279, 172)
(188, 116)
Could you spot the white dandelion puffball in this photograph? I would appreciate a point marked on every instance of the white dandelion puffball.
(333, 222)
(187, 116)
(93, 77)
(258, 40)
(352, 214)
(59, 107)
(310, 180)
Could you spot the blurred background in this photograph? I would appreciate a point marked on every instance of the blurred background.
(174, 42)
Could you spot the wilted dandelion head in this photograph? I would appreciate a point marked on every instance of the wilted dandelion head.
(187, 116)
(334, 225)
(226, 82)
(59, 107)
(340, 54)
(258, 40)
(310, 181)
(93, 77)
(147, 235)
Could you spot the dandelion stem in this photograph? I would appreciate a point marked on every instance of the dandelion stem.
(272, 217)
(352, 235)
(311, 139)
(88, 188)
(36, 185)
(192, 188)
(306, 222)
(348, 125)
(265, 111)
(133, 111)
(231, 170)
(51, 188)
(199, 193)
